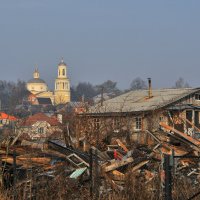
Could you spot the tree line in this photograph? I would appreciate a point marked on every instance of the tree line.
(87, 90)
(12, 94)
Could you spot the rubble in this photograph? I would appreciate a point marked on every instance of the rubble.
(108, 169)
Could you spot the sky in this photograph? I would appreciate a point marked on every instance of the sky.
(101, 40)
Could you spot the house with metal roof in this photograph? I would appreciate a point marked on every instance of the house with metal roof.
(137, 111)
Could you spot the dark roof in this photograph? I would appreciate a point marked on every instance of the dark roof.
(36, 80)
(44, 101)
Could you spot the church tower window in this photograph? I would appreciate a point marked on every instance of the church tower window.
(63, 72)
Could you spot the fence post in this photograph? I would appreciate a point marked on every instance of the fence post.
(168, 177)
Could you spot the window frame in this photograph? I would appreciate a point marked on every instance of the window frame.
(138, 123)
(40, 129)
(195, 97)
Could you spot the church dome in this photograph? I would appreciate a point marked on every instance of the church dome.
(36, 84)
(36, 80)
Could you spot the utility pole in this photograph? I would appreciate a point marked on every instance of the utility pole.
(91, 174)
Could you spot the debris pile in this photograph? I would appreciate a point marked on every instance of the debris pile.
(116, 169)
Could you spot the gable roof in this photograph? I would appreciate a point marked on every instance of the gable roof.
(137, 101)
(39, 117)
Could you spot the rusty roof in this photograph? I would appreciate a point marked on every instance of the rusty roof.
(39, 117)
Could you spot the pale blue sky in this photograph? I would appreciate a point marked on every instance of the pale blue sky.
(101, 39)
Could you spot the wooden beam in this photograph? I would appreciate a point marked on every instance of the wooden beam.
(118, 164)
(139, 165)
(183, 135)
(121, 145)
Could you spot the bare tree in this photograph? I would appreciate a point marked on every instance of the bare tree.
(181, 83)
(138, 84)
(108, 86)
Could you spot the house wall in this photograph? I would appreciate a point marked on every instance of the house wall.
(112, 125)
(40, 129)
(125, 127)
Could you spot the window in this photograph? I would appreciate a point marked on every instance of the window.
(63, 72)
(63, 85)
(116, 123)
(138, 123)
(41, 130)
(161, 118)
(197, 97)
(96, 123)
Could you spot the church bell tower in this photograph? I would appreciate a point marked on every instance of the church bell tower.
(62, 85)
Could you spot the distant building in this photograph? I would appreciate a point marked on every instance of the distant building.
(39, 126)
(39, 88)
(6, 120)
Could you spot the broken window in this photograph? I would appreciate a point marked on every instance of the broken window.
(197, 97)
(138, 123)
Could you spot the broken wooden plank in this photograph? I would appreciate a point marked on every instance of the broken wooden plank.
(117, 175)
(156, 138)
(101, 155)
(183, 135)
(113, 184)
(118, 163)
(189, 122)
(121, 145)
(138, 166)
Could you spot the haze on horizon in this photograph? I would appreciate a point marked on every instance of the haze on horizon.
(101, 40)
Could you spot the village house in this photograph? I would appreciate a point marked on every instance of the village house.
(135, 113)
(7, 120)
(39, 126)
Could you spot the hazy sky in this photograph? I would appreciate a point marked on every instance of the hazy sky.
(101, 39)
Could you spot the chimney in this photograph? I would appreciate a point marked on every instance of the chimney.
(149, 88)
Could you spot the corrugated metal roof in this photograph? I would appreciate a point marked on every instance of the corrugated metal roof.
(138, 100)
